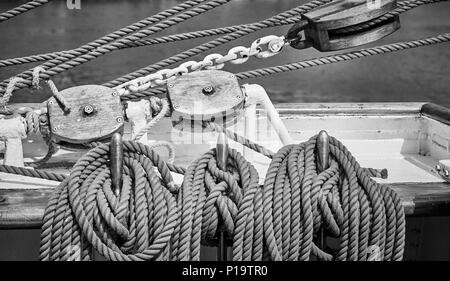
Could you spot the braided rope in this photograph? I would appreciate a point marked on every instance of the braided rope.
(145, 42)
(117, 39)
(163, 106)
(209, 195)
(250, 28)
(31, 173)
(22, 9)
(84, 214)
(394, 47)
(298, 202)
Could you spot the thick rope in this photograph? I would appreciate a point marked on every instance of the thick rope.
(384, 49)
(210, 195)
(250, 28)
(163, 109)
(22, 9)
(299, 201)
(146, 42)
(84, 214)
(117, 39)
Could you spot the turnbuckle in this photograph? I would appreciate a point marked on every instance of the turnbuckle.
(343, 24)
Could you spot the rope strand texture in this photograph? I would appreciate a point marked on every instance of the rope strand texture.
(343, 199)
(22, 9)
(209, 196)
(250, 28)
(384, 49)
(84, 214)
(117, 39)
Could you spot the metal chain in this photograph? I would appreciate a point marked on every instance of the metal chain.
(115, 40)
(264, 47)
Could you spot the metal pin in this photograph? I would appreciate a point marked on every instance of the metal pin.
(323, 152)
(116, 160)
(222, 158)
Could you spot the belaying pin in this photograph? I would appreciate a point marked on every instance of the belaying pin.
(116, 162)
(323, 153)
(222, 158)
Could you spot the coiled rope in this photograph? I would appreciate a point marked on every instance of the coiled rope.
(153, 219)
(208, 196)
(22, 9)
(343, 199)
(84, 214)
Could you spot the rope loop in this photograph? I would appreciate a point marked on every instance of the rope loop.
(212, 200)
(84, 214)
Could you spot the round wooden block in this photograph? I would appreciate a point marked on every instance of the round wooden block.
(205, 96)
(95, 114)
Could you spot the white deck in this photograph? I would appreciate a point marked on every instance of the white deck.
(402, 141)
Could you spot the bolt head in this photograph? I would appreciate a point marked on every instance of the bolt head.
(446, 173)
(275, 46)
(438, 168)
(115, 93)
(88, 109)
(119, 119)
(208, 90)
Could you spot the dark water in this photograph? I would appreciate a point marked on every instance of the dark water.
(414, 75)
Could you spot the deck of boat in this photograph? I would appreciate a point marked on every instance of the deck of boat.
(406, 138)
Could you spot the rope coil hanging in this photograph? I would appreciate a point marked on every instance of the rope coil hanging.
(84, 214)
(352, 207)
(210, 198)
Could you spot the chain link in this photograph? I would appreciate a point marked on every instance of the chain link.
(261, 48)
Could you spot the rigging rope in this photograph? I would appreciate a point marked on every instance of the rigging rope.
(22, 9)
(146, 42)
(217, 42)
(115, 40)
(394, 47)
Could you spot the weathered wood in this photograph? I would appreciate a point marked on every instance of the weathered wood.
(205, 95)
(324, 21)
(95, 113)
(24, 208)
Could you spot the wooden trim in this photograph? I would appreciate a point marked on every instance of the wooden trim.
(436, 112)
(411, 108)
(24, 208)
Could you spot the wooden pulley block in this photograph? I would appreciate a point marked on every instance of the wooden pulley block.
(329, 26)
(95, 114)
(202, 96)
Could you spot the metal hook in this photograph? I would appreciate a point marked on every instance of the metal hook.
(116, 160)
(222, 159)
(323, 152)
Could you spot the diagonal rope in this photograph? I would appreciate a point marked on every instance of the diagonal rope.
(384, 49)
(145, 42)
(106, 44)
(22, 9)
(215, 43)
